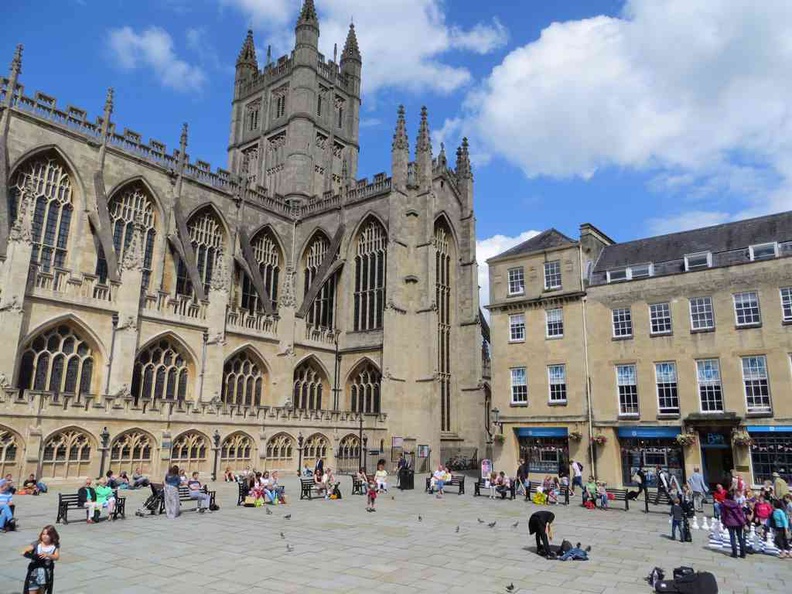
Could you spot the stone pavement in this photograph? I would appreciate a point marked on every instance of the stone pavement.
(338, 547)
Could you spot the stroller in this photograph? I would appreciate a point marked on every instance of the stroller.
(152, 504)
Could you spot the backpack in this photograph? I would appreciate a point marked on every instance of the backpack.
(693, 583)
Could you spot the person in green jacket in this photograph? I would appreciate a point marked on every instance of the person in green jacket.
(105, 497)
(590, 490)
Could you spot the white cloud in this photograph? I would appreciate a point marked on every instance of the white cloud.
(403, 42)
(492, 246)
(695, 92)
(693, 219)
(153, 48)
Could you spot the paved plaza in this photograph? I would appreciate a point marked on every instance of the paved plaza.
(339, 547)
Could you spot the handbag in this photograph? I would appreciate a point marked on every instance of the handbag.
(250, 501)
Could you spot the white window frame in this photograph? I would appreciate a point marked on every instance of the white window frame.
(653, 318)
(634, 271)
(710, 383)
(752, 251)
(556, 381)
(612, 273)
(517, 322)
(756, 375)
(524, 384)
(667, 410)
(786, 303)
(689, 257)
(552, 275)
(521, 271)
(555, 323)
(752, 323)
(627, 319)
(705, 298)
(634, 385)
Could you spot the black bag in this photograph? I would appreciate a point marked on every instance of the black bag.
(694, 583)
(680, 571)
(213, 507)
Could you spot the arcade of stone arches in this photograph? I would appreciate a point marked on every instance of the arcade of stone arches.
(73, 452)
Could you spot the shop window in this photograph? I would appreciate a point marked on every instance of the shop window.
(545, 455)
(647, 454)
(771, 452)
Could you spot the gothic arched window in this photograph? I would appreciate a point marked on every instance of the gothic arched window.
(267, 254)
(370, 266)
(236, 451)
(364, 389)
(52, 209)
(57, 360)
(308, 386)
(349, 448)
(189, 451)
(206, 237)
(67, 454)
(280, 447)
(322, 312)
(132, 449)
(315, 447)
(443, 284)
(161, 373)
(243, 380)
(126, 207)
(9, 447)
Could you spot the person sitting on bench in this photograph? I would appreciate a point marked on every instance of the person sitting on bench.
(86, 497)
(203, 499)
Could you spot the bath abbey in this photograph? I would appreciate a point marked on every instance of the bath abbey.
(154, 311)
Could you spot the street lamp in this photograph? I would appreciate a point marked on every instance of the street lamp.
(360, 441)
(105, 436)
(299, 449)
(365, 451)
(496, 417)
(216, 439)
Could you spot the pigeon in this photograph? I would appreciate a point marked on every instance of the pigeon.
(289, 548)
(268, 510)
(515, 524)
(480, 521)
(393, 498)
(420, 519)
(492, 524)
(510, 587)
(457, 530)
(287, 517)
(283, 535)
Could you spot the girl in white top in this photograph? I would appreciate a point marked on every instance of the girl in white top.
(381, 477)
(45, 552)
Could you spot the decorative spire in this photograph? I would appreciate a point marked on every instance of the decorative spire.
(308, 13)
(463, 168)
(183, 140)
(16, 62)
(442, 160)
(247, 55)
(351, 47)
(400, 140)
(269, 55)
(424, 143)
(108, 106)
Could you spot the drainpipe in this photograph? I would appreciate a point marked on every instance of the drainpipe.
(589, 411)
(203, 366)
(112, 350)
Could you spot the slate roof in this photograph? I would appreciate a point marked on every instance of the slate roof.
(728, 244)
(549, 239)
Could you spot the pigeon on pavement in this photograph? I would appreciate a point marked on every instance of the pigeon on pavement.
(492, 524)
(510, 587)
(480, 521)
(287, 517)
(457, 529)
(289, 548)
(515, 524)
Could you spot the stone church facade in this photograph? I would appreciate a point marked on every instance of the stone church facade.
(154, 311)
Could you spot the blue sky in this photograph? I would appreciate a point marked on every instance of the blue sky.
(638, 116)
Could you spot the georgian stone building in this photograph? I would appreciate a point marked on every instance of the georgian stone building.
(673, 350)
(244, 317)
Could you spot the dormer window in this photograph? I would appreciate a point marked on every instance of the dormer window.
(698, 261)
(641, 271)
(619, 274)
(763, 251)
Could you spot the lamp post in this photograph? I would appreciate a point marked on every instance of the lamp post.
(216, 439)
(299, 449)
(365, 452)
(360, 441)
(496, 417)
(105, 437)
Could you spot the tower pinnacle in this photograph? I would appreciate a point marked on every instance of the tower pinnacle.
(351, 47)
(308, 13)
(424, 143)
(16, 62)
(247, 55)
(400, 140)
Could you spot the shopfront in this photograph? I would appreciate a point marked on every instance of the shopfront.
(771, 451)
(647, 448)
(545, 449)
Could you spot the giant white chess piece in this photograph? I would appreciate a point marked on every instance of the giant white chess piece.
(695, 524)
(704, 525)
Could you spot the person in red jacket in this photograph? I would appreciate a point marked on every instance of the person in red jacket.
(719, 494)
(733, 518)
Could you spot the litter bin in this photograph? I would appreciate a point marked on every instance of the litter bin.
(406, 480)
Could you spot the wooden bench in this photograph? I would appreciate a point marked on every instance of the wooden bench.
(67, 501)
(359, 487)
(480, 484)
(618, 495)
(457, 480)
(184, 495)
(650, 496)
(531, 486)
(308, 487)
(243, 492)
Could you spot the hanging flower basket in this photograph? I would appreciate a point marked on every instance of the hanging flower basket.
(499, 439)
(686, 439)
(599, 440)
(742, 439)
(575, 435)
